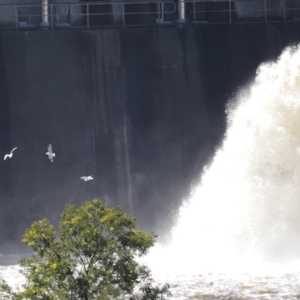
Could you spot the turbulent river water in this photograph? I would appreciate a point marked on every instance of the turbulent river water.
(237, 235)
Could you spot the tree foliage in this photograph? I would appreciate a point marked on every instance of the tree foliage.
(94, 257)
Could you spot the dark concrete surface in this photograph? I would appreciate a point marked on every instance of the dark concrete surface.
(141, 110)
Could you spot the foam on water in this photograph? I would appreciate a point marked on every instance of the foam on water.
(245, 213)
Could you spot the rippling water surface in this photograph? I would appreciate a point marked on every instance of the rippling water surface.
(240, 287)
(211, 286)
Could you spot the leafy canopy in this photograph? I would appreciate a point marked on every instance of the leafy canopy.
(93, 257)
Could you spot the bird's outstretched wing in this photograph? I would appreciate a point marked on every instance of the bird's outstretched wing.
(87, 178)
(5, 157)
(13, 150)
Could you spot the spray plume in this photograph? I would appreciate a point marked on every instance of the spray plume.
(245, 212)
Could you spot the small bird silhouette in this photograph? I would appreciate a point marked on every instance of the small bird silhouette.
(10, 154)
(87, 178)
(50, 153)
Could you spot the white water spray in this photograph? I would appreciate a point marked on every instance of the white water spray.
(246, 210)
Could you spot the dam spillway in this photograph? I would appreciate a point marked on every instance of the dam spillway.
(140, 109)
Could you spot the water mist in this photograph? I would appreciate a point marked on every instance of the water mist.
(245, 213)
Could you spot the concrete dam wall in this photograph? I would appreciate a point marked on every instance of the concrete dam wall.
(141, 110)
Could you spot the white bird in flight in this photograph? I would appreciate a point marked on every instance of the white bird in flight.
(50, 153)
(10, 154)
(87, 178)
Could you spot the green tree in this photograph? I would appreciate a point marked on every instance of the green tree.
(94, 257)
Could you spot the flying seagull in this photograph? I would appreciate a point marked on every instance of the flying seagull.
(50, 153)
(87, 178)
(10, 154)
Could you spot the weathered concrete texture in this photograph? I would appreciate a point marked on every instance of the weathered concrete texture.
(142, 110)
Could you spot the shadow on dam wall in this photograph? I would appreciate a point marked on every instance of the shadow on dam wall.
(141, 110)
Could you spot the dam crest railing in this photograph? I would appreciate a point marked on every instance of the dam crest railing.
(113, 13)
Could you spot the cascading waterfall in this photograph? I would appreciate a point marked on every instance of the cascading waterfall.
(245, 213)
